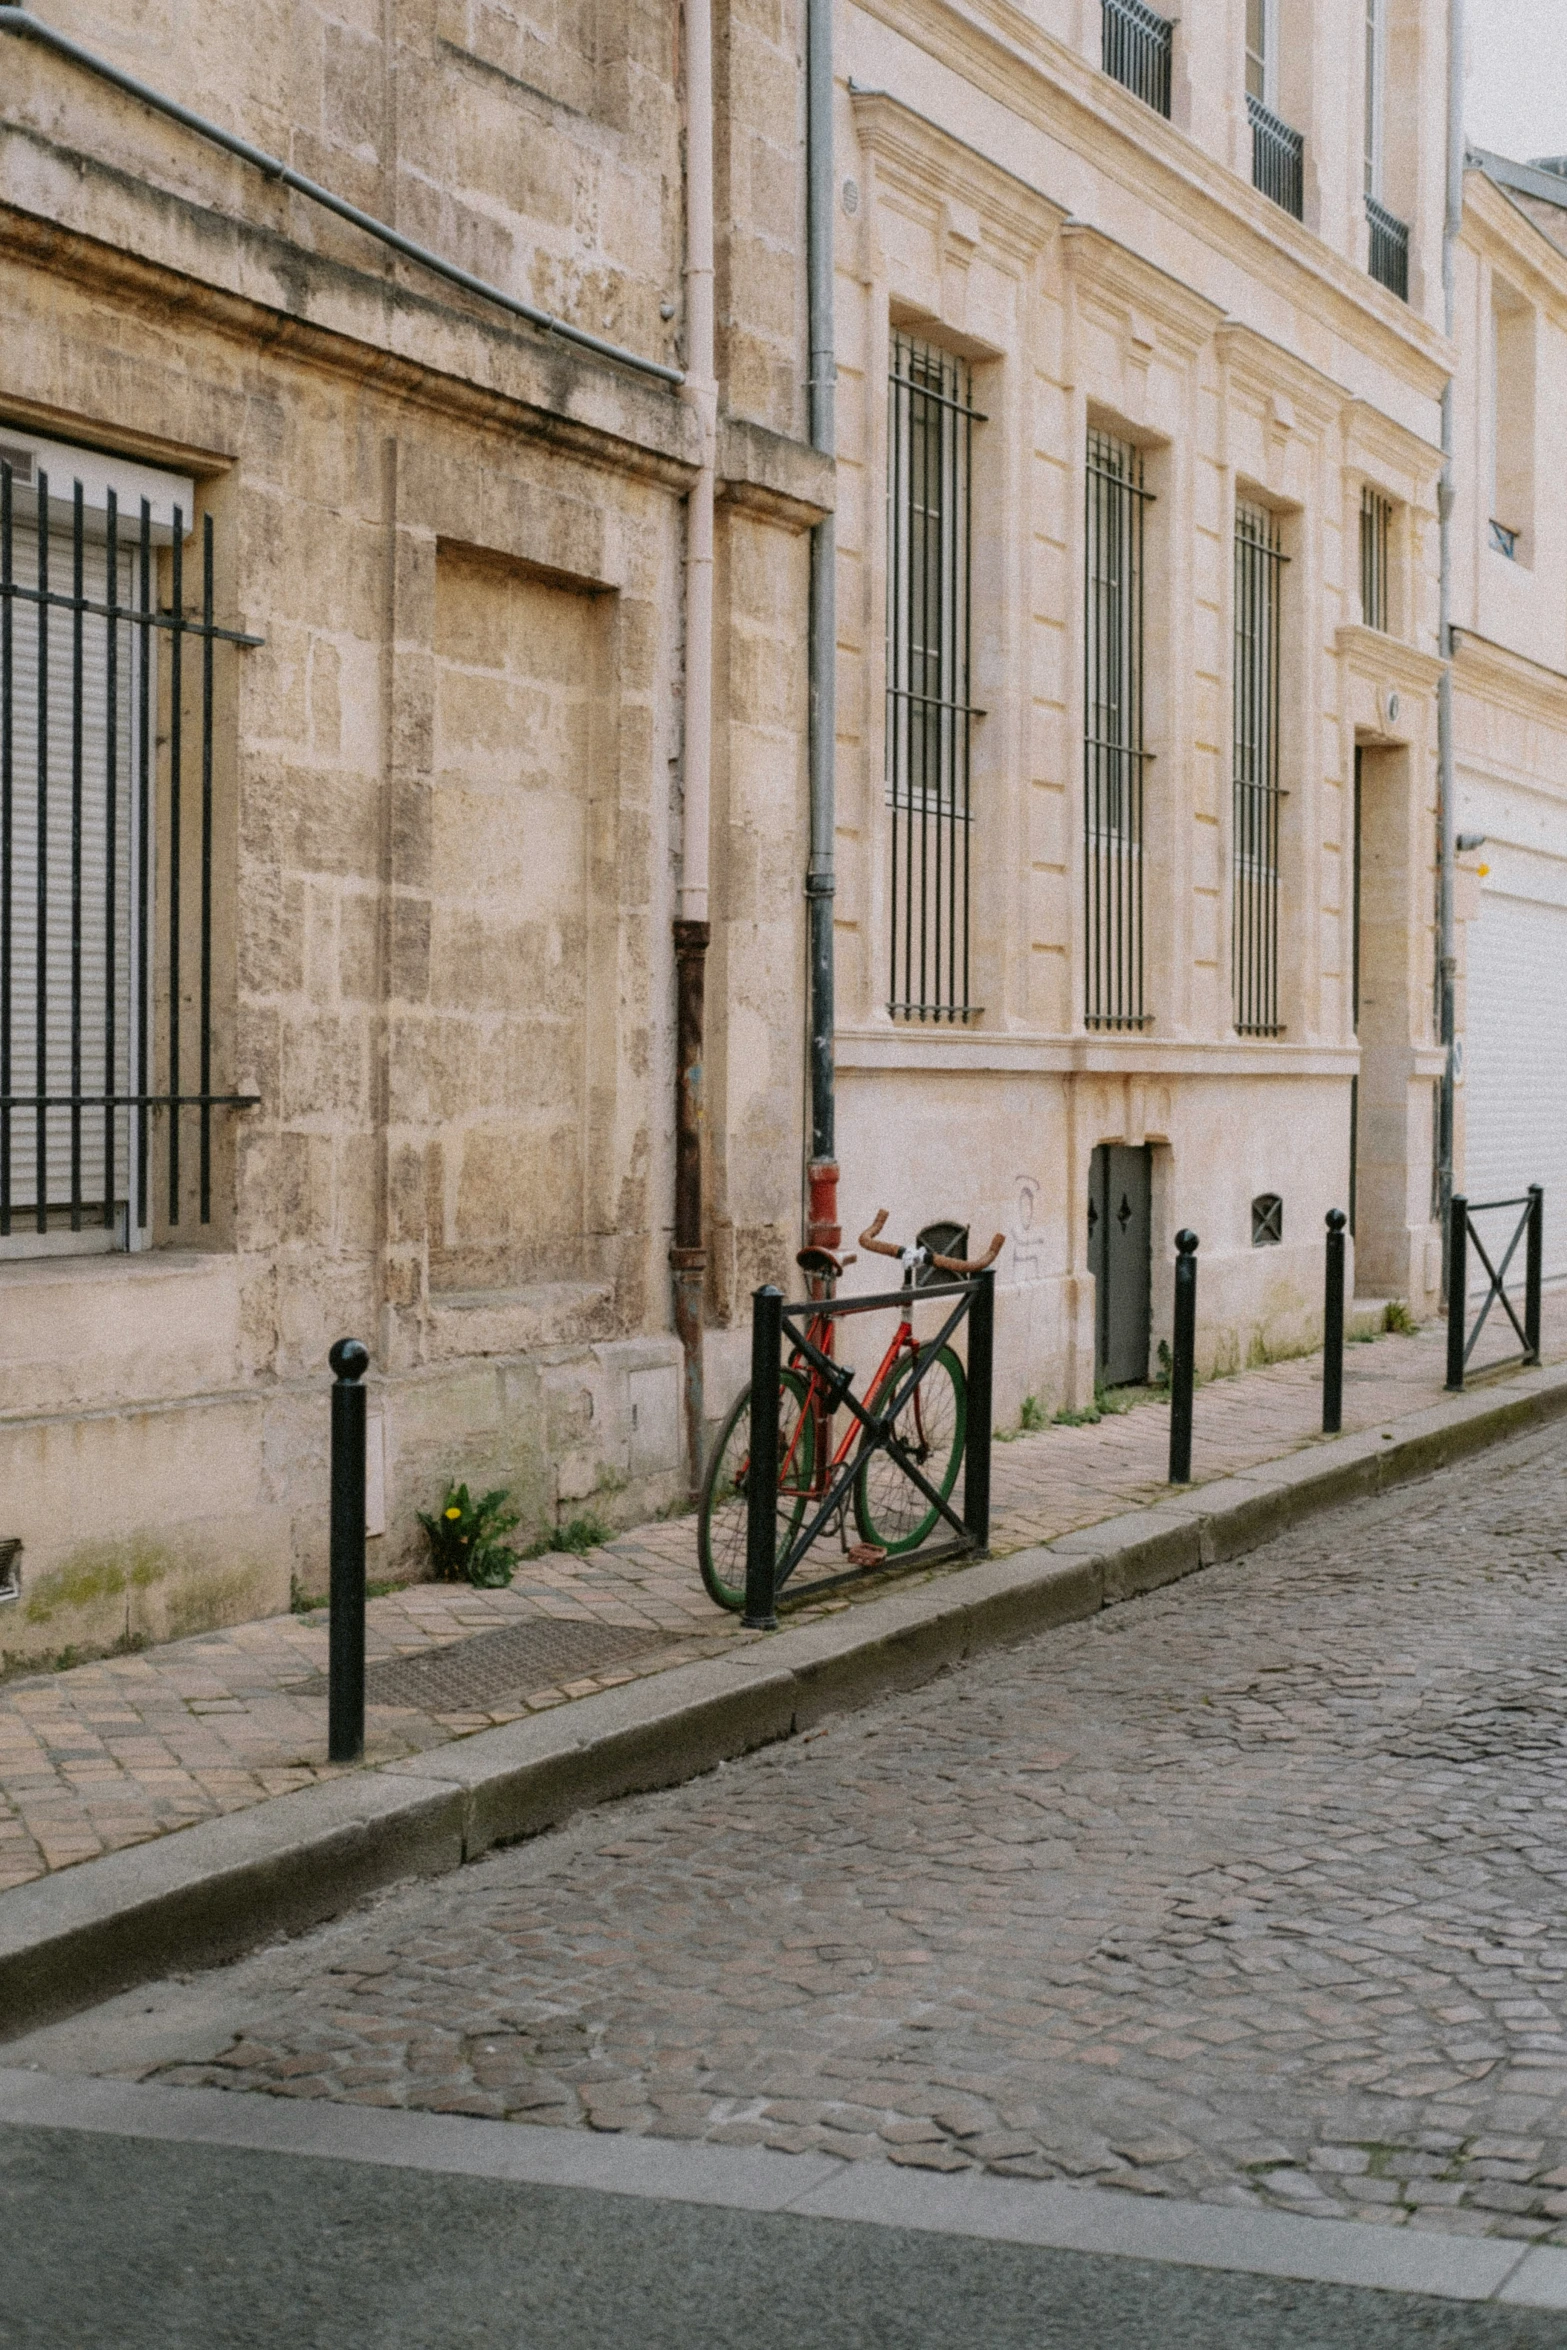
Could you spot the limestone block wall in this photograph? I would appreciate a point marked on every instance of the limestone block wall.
(447, 778)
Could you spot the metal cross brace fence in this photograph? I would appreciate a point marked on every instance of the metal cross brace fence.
(831, 1388)
(1461, 1232)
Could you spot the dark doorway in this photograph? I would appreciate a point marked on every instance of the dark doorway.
(1120, 1228)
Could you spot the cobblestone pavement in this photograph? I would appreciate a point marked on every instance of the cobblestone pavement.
(1250, 1890)
(112, 1753)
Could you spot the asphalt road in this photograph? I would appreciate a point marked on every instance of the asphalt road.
(130, 2245)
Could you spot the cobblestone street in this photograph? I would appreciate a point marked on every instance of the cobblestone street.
(1250, 1890)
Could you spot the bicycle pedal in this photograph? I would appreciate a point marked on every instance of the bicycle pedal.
(866, 1554)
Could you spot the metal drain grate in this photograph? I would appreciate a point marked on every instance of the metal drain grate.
(464, 1676)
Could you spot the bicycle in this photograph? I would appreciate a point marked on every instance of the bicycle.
(891, 1515)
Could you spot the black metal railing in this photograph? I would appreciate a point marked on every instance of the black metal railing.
(1389, 258)
(106, 860)
(1278, 159)
(1462, 1234)
(930, 430)
(1376, 534)
(1114, 758)
(885, 1427)
(1257, 795)
(1137, 50)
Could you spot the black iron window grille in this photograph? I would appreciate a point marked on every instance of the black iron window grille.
(106, 861)
(1389, 261)
(1278, 159)
(1376, 533)
(1114, 759)
(1267, 1220)
(1138, 44)
(1254, 933)
(1504, 541)
(930, 437)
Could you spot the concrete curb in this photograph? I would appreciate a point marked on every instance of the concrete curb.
(212, 1891)
(1103, 2221)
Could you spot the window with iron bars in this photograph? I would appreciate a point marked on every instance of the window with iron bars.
(106, 862)
(930, 437)
(1114, 759)
(1254, 932)
(1376, 531)
(1137, 46)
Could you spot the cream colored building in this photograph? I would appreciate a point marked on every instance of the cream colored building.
(1136, 564)
(1510, 690)
(1200, 571)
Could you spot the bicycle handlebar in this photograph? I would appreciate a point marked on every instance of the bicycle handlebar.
(918, 1256)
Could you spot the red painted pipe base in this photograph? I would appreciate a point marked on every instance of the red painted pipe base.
(823, 1229)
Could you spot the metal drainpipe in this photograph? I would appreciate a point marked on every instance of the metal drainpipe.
(1447, 955)
(822, 1227)
(688, 1257)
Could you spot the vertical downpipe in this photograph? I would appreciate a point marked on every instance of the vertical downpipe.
(822, 1227)
(1447, 947)
(688, 1257)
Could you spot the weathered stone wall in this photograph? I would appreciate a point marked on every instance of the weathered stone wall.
(448, 808)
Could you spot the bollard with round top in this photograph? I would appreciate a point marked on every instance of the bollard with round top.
(349, 1359)
(1333, 1326)
(1183, 1358)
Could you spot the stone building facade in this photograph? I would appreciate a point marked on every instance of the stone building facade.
(446, 773)
(1163, 714)
(1139, 365)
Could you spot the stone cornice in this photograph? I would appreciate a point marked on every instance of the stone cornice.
(1494, 674)
(1375, 443)
(1496, 227)
(1004, 53)
(1105, 265)
(1272, 374)
(263, 290)
(930, 163)
(1377, 656)
(763, 473)
(960, 1052)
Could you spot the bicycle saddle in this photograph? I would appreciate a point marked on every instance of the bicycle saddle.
(822, 1261)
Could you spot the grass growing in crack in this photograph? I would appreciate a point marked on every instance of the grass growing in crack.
(580, 1536)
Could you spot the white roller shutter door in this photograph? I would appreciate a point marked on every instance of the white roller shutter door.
(1515, 1059)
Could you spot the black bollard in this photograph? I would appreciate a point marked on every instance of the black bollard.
(976, 1451)
(1183, 1358)
(1534, 1259)
(761, 1489)
(1333, 1327)
(346, 1653)
(1457, 1287)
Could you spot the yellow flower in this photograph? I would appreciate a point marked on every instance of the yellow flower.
(454, 1512)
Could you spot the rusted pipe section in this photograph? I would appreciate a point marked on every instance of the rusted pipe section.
(688, 1257)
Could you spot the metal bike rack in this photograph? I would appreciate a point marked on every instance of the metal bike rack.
(771, 1316)
(1460, 1233)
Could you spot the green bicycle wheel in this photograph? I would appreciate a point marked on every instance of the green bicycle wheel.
(724, 1510)
(888, 1510)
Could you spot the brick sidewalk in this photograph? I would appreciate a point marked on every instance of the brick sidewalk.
(113, 1753)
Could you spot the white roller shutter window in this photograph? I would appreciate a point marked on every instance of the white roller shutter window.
(1515, 1065)
(102, 1011)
